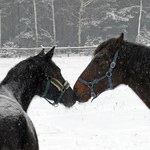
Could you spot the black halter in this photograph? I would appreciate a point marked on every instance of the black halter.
(60, 87)
(108, 75)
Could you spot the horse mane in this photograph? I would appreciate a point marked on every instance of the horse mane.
(130, 47)
(14, 72)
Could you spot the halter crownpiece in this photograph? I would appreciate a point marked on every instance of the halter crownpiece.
(60, 87)
(98, 80)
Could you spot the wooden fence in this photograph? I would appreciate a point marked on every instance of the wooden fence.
(18, 52)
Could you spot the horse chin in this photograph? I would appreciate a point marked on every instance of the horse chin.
(68, 105)
(83, 99)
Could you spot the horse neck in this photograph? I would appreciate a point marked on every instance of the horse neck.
(132, 71)
(23, 91)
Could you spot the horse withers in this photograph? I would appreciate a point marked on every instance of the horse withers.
(37, 75)
(116, 62)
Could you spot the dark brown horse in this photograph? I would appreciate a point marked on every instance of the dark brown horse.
(116, 62)
(36, 75)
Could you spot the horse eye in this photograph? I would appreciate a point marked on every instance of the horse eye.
(107, 62)
(58, 69)
(101, 70)
(96, 61)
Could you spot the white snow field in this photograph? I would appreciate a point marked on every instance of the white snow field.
(116, 120)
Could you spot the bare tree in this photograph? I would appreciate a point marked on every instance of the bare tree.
(81, 10)
(53, 19)
(35, 23)
(140, 17)
(0, 30)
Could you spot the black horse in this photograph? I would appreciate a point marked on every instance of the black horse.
(116, 62)
(36, 75)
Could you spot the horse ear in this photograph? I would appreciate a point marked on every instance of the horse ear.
(41, 54)
(120, 39)
(121, 36)
(49, 54)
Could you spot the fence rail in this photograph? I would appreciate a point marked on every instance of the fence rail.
(18, 52)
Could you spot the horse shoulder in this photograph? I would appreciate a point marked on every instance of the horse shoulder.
(19, 130)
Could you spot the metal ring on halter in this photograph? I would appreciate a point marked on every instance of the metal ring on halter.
(93, 94)
(90, 84)
(112, 65)
(108, 74)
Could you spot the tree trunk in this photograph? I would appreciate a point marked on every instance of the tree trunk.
(53, 19)
(35, 23)
(82, 6)
(80, 23)
(0, 28)
(140, 17)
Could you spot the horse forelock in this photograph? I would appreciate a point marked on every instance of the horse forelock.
(99, 48)
(109, 44)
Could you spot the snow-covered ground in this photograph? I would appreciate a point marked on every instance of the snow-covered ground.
(116, 120)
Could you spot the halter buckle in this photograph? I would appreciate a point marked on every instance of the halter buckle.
(93, 95)
(90, 84)
(108, 74)
(112, 65)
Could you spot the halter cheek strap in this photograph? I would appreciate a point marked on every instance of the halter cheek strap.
(60, 87)
(98, 80)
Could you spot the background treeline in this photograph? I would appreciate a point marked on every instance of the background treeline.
(31, 23)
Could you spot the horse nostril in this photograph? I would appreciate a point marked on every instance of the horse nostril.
(75, 90)
(77, 97)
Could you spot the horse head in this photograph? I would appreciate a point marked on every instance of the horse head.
(51, 82)
(39, 75)
(101, 72)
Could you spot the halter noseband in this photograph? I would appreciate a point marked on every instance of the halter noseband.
(60, 87)
(108, 75)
